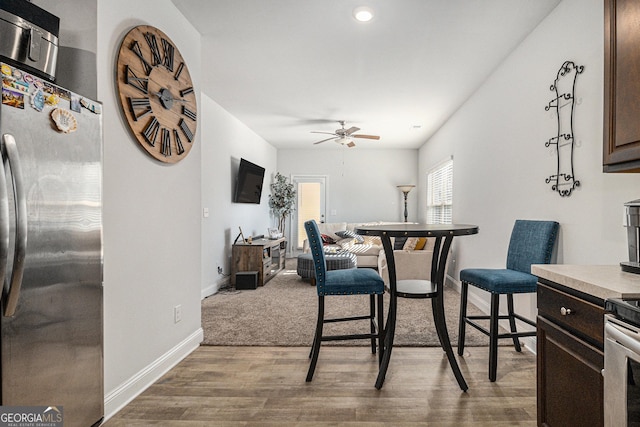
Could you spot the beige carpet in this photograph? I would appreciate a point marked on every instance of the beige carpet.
(283, 313)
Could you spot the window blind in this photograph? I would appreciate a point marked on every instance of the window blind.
(440, 193)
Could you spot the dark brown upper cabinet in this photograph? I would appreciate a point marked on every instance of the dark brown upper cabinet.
(621, 86)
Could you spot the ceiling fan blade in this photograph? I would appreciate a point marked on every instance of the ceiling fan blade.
(351, 144)
(326, 133)
(366, 136)
(351, 130)
(324, 140)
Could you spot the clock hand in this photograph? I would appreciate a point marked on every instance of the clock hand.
(163, 94)
(167, 99)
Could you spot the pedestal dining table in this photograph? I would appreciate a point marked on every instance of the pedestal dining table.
(422, 288)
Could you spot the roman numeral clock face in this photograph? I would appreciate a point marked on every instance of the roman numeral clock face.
(156, 94)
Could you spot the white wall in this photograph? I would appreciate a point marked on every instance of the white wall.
(152, 224)
(225, 141)
(361, 183)
(500, 161)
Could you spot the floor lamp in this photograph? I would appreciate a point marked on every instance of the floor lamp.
(405, 190)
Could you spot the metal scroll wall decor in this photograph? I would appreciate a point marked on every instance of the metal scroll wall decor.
(564, 181)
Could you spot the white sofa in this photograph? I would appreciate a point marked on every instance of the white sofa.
(410, 264)
(367, 253)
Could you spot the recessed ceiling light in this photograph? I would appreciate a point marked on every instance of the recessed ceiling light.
(363, 14)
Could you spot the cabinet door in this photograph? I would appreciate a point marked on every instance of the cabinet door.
(570, 385)
(246, 258)
(621, 151)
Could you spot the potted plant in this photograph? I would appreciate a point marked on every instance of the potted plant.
(281, 199)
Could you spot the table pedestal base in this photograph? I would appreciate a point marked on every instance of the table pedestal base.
(419, 289)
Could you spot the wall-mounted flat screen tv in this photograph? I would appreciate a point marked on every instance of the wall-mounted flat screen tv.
(248, 183)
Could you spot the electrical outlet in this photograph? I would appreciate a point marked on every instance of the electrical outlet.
(219, 270)
(177, 313)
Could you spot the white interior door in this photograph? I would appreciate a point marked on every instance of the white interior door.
(311, 204)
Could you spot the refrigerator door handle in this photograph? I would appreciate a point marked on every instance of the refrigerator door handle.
(13, 291)
(4, 224)
(34, 44)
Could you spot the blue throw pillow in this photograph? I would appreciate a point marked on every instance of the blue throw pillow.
(399, 242)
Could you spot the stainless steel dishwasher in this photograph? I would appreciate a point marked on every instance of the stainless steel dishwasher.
(622, 363)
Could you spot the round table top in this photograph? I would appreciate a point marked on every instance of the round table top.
(417, 230)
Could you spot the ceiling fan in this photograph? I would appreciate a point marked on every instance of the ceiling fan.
(344, 136)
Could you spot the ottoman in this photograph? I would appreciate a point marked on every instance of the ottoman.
(338, 261)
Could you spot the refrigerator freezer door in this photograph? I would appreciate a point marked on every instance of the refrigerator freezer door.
(51, 348)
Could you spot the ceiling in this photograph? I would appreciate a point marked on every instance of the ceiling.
(288, 67)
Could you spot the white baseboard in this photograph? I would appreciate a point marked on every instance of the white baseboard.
(214, 288)
(485, 306)
(130, 389)
(530, 343)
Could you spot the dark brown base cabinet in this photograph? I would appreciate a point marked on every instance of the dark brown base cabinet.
(264, 256)
(570, 358)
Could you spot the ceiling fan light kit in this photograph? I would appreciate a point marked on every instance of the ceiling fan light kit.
(346, 141)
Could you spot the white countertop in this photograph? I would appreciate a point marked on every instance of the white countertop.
(602, 281)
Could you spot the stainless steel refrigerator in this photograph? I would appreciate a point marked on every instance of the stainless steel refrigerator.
(51, 336)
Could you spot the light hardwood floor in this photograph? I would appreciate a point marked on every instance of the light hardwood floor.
(264, 386)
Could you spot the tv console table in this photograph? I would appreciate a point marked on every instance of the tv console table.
(265, 256)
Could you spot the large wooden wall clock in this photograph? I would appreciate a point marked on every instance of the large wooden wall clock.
(156, 94)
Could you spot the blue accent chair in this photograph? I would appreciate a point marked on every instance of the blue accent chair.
(358, 281)
(532, 242)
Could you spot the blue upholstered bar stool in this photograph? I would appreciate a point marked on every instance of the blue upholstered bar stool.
(531, 242)
(358, 281)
